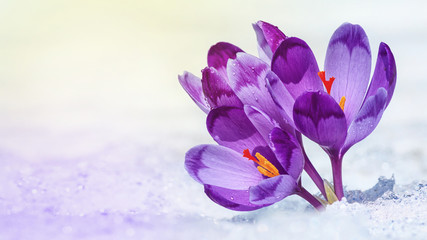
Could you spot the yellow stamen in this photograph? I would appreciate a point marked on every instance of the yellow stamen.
(263, 162)
(265, 167)
(265, 172)
(342, 102)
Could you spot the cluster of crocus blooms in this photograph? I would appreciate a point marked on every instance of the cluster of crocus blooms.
(258, 107)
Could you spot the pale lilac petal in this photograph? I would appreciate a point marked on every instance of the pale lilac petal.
(367, 119)
(222, 167)
(385, 73)
(261, 121)
(269, 38)
(288, 152)
(247, 77)
(281, 96)
(272, 190)
(294, 63)
(193, 86)
(230, 127)
(237, 200)
(217, 91)
(219, 54)
(348, 59)
(320, 118)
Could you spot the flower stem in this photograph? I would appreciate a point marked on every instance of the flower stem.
(311, 199)
(314, 175)
(309, 168)
(337, 176)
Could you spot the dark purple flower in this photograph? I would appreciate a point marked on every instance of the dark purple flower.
(244, 172)
(350, 108)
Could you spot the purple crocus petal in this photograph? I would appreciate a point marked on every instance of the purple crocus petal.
(217, 91)
(269, 38)
(230, 127)
(222, 167)
(219, 54)
(281, 96)
(294, 63)
(385, 73)
(272, 190)
(320, 118)
(367, 119)
(348, 60)
(261, 121)
(247, 78)
(288, 152)
(237, 200)
(193, 86)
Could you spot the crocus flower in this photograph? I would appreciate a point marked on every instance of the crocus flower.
(244, 172)
(337, 107)
(234, 78)
(247, 77)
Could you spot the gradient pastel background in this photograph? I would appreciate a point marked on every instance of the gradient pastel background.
(90, 87)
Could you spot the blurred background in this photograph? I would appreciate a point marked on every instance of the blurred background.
(90, 87)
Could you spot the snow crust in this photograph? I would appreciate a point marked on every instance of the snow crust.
(130, 183)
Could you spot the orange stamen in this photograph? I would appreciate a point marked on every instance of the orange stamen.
(342, 102)
(265, 172)
(265, 167)
(328, 84)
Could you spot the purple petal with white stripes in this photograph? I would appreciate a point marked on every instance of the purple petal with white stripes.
(220, 166)
(348, 60)
(193, 86)
(281, 96)
(367, 119)
(247, 77)
(261, 121)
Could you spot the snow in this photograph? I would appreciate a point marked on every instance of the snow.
(94, 125)
(131, 184)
